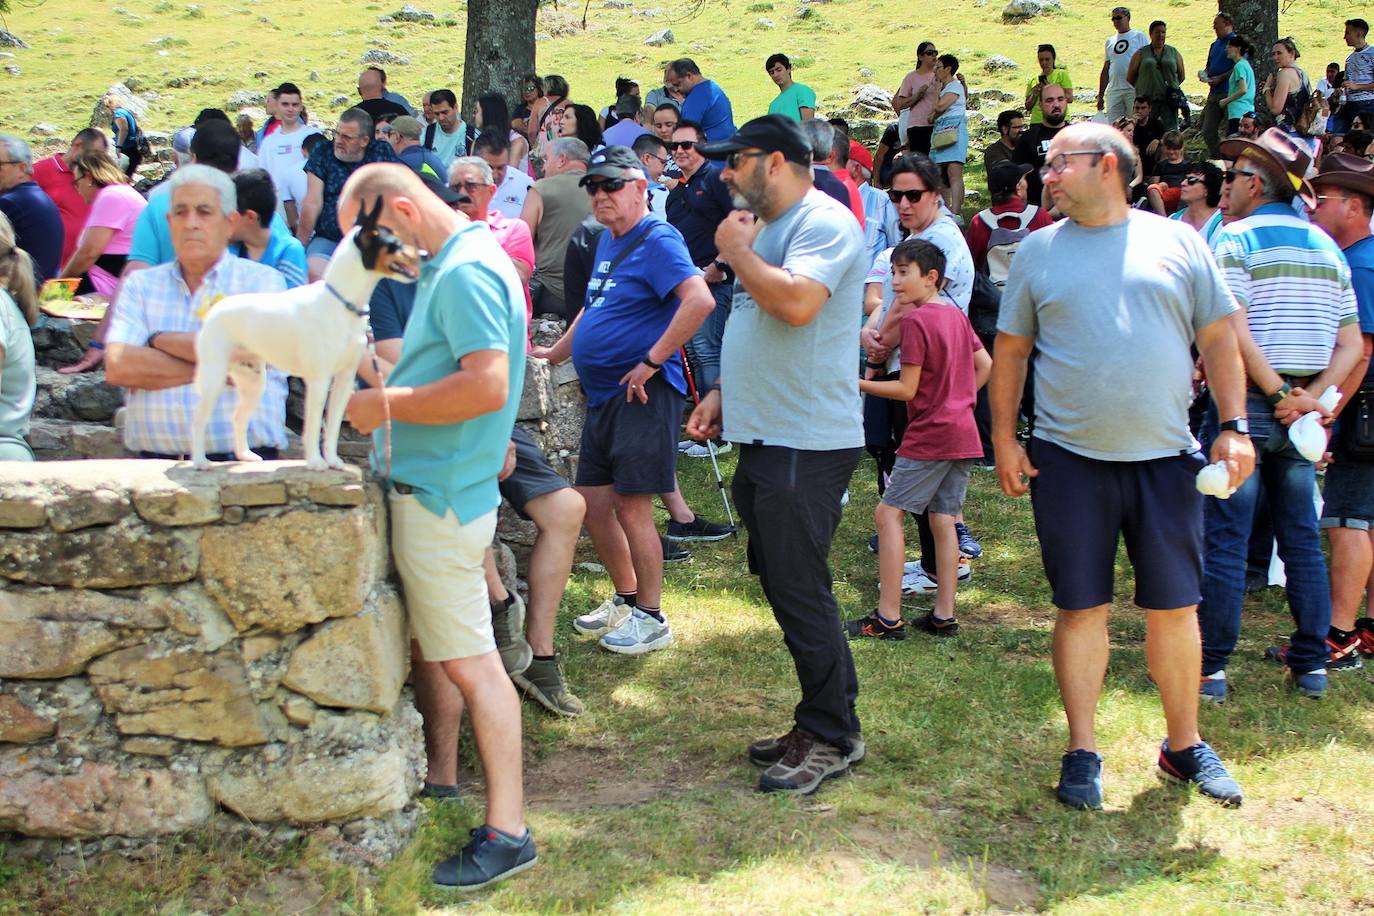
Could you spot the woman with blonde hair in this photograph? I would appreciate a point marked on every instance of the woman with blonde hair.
(18, 311)
(108, 233)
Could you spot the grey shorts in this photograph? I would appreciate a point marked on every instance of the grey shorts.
(321, 248)
(928, 486)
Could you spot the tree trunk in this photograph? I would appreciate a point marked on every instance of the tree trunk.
(500, 49)
(1258, 20)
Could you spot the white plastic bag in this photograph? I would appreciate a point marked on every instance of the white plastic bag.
(1307, 433)
(1215, 480)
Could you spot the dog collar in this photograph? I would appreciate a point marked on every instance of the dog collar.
(360, 312)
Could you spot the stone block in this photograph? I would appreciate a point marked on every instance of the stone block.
(113, 556)
(280, 573)
(76, 509)
(54, 633)
(342, 767)
(171, 689)
(94, 798)
(174, 505)
(357, 662)
(264, 493)
(565, 373)
(537, 393)
(22, 511)
(149, 747)
(21, 725)
(350, 494)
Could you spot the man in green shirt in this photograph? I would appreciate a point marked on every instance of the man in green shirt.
(794, 100)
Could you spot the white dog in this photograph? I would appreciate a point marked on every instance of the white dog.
(317, 332)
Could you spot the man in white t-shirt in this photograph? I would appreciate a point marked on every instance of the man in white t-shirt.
(280, 152)
(447, 136)
(512, 185)
(1115, 95)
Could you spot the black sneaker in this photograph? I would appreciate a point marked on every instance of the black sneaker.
(489, 857)
(874, 627)
(674, 552)
(936, 626)
(1345, 651)
(698, 529)
(1080, 780)
(440, 793)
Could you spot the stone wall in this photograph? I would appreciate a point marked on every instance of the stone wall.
(174, 643)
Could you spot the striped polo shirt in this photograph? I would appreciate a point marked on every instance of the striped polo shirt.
(1294, 283)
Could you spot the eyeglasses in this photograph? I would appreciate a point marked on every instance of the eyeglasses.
(1193, 179)
(735, 160)
(911, 196)
(1233, 174)
(610, 186)
(662, 160)
(467, 187)
(1059, 163)
(675, 145)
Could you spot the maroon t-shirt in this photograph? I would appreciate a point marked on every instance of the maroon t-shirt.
(940, 427)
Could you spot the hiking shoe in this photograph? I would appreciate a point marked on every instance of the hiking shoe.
(1345, 652)
(767, 751)
(698, 529)
(508, 626)
(1212, 688)
(701, 450)
(440, 793)
(489, 857)
(875, 627)
(937, 626)
(638, 635)
(1201, 766)
(543, 682)
(967, 545)
(674, 552)
(921, 582)
(611, 614)
(1080, 780)
(806, 763)
(1365, 627)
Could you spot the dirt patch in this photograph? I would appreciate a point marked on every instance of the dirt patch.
(580, 777)
(290, 892)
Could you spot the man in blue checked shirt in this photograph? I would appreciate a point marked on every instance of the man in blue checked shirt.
(151, 344)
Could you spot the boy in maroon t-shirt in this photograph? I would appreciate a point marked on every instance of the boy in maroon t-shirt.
(943, 366)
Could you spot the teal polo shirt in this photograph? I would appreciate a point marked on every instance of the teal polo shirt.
(468, 298)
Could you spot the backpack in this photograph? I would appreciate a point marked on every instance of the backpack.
(1003, 242)
(432, 129)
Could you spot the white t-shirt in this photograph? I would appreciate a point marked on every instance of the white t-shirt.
(448, 146)
(247, 158)
(1121, 47)
(1323, 89)
(280, 155)
(509, 198)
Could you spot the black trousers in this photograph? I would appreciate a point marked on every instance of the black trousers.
(790, 503)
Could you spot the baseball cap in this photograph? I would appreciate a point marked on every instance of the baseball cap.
(181, 140)
(771, 133)
(860, 154)
(442, 191)
(611, 162)
(408, 127)
(1004, 176)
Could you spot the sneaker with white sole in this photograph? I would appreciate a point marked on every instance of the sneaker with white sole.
(638, 635)
(921, 582)
(701, 450)
(965, 568)
(611, 614)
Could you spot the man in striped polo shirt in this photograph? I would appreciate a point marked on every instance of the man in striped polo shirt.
(1294, 286)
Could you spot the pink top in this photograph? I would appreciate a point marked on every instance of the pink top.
(920, 112)
(116, 207)
(513, 235)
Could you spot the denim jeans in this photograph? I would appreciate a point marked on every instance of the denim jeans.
(1288, 483)
(705, 343)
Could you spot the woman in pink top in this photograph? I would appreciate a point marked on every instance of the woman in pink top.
(917, 96)
(109, 231)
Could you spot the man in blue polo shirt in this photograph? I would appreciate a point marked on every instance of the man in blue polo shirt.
(255, 238)
(1218, 71)
(705, 102)
(452, 399)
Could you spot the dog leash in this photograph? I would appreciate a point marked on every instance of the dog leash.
(366, 314)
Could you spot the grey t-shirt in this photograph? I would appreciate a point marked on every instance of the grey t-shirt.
(1113, 311)
(799, 387)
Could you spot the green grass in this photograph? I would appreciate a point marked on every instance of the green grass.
(645, 804)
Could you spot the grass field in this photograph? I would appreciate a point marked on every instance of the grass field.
(646, 804)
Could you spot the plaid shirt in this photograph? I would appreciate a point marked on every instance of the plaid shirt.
(157, 299)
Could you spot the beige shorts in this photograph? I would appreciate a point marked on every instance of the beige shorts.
(440, 562)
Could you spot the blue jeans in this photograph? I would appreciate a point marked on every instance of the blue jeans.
(705, 343)
(1288, 483)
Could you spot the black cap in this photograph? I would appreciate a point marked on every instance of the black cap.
(1004, 176)
(443, 191)
(770, 133)
(611, 162)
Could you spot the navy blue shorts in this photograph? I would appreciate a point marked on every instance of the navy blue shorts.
(533, 476)
(1082, 506)
(630, 446)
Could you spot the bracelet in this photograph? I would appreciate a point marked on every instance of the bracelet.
(648, 361)
(149, 342)
(1277, 397)
(96, 345)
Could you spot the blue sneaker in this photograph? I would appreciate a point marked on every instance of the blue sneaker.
(1311, 685)
(1201, 766)
(1213, 688)
(1080, 780)
(491, 856)
(967, 545)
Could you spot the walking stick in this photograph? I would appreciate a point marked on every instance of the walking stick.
(710, 443)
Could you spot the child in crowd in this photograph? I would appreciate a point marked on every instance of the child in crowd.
(1166, 185)
(943, 366)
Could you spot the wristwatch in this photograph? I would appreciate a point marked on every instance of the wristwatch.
(1238, 425)
(1278, 396)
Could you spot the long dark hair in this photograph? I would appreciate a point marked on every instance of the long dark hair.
(495, 114)
(588, 130)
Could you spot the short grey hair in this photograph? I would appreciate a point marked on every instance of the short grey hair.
(17, 150)
(208, 177)
(359, 117)
(821, 134)
(570, 147)
(476, 162)
(1275, 185)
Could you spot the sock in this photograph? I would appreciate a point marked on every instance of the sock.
(887, 621)
(938, 619)
(1340, 635)
(628, 597)
(654, 612)
(545, 658)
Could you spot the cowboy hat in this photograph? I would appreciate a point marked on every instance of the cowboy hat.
(1280, 154)
(1342, 170)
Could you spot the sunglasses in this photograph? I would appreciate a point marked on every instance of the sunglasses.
(675, 145)
(1117, 18)
(610, 186)
(931, 53)
(911, 196)
(468, 187)
(735, 160)
(1233, 174)
(1193, 179)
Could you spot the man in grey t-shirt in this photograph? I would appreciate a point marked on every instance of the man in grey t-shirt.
(790, 399)
(1111, 299)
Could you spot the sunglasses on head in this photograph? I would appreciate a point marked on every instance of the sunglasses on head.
(610, 186)
(675, 145)
(911, 196)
